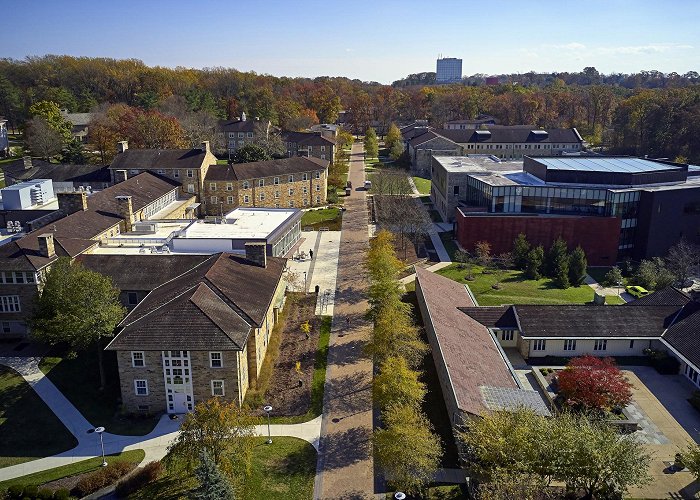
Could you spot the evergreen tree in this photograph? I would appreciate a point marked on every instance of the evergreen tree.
(213, 485)
(521, 247)
(73, 153)
(534, 262)
(577, 266)
(561, 271)
(556, 253)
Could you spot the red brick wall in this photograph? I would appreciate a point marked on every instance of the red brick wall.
(598, 236)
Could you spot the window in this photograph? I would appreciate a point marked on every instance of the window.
(229, 186)
(214, 200)
(304, 190)
(212, 186)
(323, 148)
(305, 177)
(246, 199)
(276, 181)
(318, 187)
(229, 200)
(318, 199)
(241, 135)
(137, 359)
(291, 203)
(290, 179)
(250, 134)
(6, 327)
(132, 298)
(261, 183)
(176, 174)
(231, 135)
(631, 344)
(323, 157)
(190, 188)
(570, 345)
(291, 191)
(507, 335)
(215, 360)
(317, 175)
(9, 303)
(161, 171)
(262, 196)
(305, 202)
(217, 387)
(277, 194)
(190, 173)
(246, 185)
(241, 143)
(600, 345)
(141, 387)
(455, 190)
(539, 345)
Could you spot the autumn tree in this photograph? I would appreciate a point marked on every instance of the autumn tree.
(405, 428)
(521, 247)
(222, 430)
(578, 264)
(393, 137)
(690, 458)
(396, 384)
(78, 307)
(594, 384)
(371, 143)
(43, 140)
(482, 249)
(51, 113)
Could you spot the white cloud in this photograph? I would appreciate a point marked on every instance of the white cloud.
(652, 48)
(566, 46)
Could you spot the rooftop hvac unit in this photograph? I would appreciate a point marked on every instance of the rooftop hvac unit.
(145, 227)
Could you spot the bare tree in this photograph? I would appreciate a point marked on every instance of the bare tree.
(391, 181)
(42, 139)
(683, 259)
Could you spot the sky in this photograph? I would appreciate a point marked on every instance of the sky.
(379, 40)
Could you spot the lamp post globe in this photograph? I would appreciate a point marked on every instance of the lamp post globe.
(400, 495)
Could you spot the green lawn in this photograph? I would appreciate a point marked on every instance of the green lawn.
(92, 464)
(518, 290)
(28, 428)
(423, 185)
(221, 162)
(319, 378)
(78, 380)
(598, 274)
(283, 470)
(322, 217)
(449, 244)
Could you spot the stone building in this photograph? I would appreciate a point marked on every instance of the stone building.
(87, 222)
(65, 177)
(294, 182)
(187, 167)
(241, 131)
(309, 144)
(200, 335)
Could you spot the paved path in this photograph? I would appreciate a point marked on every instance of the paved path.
(607, 291)
(435, 267)
(155, 443)
(345, 467)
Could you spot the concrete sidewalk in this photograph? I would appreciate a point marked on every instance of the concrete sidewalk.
(433, 268)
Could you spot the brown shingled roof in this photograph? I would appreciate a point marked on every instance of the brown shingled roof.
(258, 169)
(213, 305)
(470, 353)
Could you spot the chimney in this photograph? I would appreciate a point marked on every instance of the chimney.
(205, 146)
(46, 248)
(120, 176)
(126, 211)
(256, 253)
(71, 202)
(122, 146)
(27, 162)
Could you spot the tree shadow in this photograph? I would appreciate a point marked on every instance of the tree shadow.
(349, 395)
(347, 353)
(342, 449)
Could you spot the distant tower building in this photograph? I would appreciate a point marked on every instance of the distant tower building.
(449, 70)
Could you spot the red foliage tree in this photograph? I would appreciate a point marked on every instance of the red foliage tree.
(591, 383)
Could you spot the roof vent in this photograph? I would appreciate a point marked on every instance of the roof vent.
(540, 133)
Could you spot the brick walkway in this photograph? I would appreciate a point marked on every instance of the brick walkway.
(345, 467)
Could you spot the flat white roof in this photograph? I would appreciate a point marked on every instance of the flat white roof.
(251, 223)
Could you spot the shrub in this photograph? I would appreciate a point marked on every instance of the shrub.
(102, 477)
(140, 478)
(45, 494)
(15, 491)
(61, 494)
(31, 491)
(662, 362)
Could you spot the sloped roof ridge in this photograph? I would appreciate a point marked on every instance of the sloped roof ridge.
(195, 300)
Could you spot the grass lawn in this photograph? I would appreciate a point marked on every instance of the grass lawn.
(92, 464)
(322, 217)
(319, 378)
(28, 428)
(221, 162)
(78, 380)
(598, 274)
(423, 185)
(284, 469)
(518, 290)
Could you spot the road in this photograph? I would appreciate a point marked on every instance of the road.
(345, 467)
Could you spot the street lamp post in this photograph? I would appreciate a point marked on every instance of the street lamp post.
(268, 409)
(305, 285)
(100, 430)
(619, 286)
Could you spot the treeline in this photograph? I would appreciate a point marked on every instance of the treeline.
(660, 121)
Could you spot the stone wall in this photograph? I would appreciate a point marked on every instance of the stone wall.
(152, 372)
(203, 374)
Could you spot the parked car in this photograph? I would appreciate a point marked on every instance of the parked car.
(637, 291)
